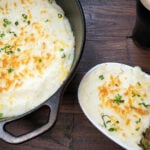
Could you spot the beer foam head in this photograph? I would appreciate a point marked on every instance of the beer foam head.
(146, 3)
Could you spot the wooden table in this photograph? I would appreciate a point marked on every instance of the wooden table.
(109, 27)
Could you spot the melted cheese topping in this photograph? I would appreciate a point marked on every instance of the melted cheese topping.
(36, 53)
(116, 99)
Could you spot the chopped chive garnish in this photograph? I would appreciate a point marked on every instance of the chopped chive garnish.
(10, 70)
(118, 99)
(112, 129)
(133, 94)
(7, 49)
(61, 49)
(104, 117)
(63, 56)
(139, 83)
(101, 77)
(18, 49)
(16, 23)
(6, 22)
(50, 1)
(137, 129)
(60, 15)
(24, 16)
(46, 20)
(28, 22)
(138, 121)
(110, 125)
(9, 52)
(40, 60)
(2, 34)
(117, 121)
(13, 33)
(1, 115)
(145, 105)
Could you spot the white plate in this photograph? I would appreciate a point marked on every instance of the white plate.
(89, 100)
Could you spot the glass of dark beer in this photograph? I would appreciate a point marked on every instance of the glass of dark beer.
(141, 31)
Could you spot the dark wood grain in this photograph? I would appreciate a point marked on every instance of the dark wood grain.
(109, 26)
(111, 18)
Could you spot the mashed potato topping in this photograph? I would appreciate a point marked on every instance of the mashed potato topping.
(116, 99)
(36, 53)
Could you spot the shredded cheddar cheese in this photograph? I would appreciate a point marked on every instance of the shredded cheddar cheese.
(31, 64)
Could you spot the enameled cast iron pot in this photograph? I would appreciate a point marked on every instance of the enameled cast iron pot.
(74, 13)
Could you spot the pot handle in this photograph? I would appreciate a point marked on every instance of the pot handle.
(52, 103)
